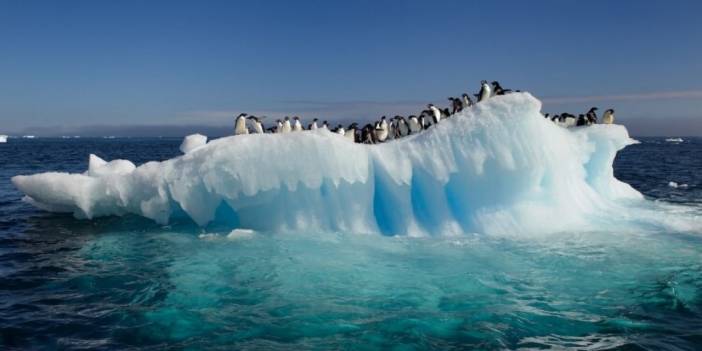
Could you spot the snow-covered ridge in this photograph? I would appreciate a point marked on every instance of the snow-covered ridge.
(497, 167)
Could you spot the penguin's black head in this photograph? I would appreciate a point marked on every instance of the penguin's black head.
(325, 122)
(242, 115)
(483, 82)
(296, 118)
(253, 118)
(287, 118)
(430, 105)
(611, 110)
(495, 83)
(315, 120)
(464, 95)
(593, 109)
(353, 125)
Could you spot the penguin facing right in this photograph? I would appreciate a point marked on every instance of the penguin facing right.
(436, 113)
(297, 126)
(608, 117)
(381, 130)
(258, 125)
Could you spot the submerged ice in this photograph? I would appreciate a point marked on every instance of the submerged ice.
(498, 167)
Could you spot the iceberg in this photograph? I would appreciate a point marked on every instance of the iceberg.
(498, 167)
(3, 138)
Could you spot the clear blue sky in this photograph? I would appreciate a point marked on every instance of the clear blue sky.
(72, 65)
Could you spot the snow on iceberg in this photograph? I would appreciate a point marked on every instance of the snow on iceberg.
(498, 167)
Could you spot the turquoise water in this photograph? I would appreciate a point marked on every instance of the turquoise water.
(118, 283)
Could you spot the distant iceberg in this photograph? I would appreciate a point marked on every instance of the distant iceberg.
(674, 140)
(498, 167)
(3, 138)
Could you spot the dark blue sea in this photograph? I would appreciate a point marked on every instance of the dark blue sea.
(128, 283)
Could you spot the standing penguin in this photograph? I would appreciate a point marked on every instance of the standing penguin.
(340, 130)
(608, 117)
(591, 116)
(414, 125)
(368, 134)
(402, 127)
(581, 120)
(287, 128)
(325, 125)
(258, 125)
(381, 130)
(467, 102)
(484, 92)
(240, 125)
(350, 132)
(279, 126)
(456, 105)
(436, 113)
(297, 126)
(313, 125)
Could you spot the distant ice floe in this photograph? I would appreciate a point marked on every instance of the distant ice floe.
(496, 168)
(3, 138)
(676, 185)
(674, 140)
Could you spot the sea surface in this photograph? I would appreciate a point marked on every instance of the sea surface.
(128, 283)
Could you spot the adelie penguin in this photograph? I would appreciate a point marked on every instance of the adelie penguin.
(279, 126)
(484, 92)
(258, 125)
(340, 130)
(498, 89)
(456, 105)
(467, 102)
(287, 128)
(313, 125)
(591, 116)
(402, 127)
(436, 113)
(297, 126)
(240, 125)
(368, 134)
(325, 125)
(381, 130)
(414, 125)
(582, 121)
(608, 117)
(350, 132)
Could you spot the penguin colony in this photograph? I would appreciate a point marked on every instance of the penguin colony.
(397, 127)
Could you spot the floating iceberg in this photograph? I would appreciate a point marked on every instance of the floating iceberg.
(498, 167)
(674, 140)
(3, 138)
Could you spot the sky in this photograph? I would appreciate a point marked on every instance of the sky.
(175, 67)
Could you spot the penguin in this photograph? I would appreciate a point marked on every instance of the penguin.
(567, 120)
(381, 130)
(402, 127)
(368, 134)
(484, 92)
(325, 125)
(392, 126)
(498, 89)
(546, 115)
(467, 102)
(279, 126)
(555, 118)
(350, 132)
(436, 113)
(313, 125)
(445, 113)
(258, 125)
(340, 130)
(423, 124)
(582, 121)
(240, 125)
(591, 116)
(608, 117)
(287, 128)
(456, 105)
(297, 126)
(414, 125)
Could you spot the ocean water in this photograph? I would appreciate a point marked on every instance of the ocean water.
(128, 283)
